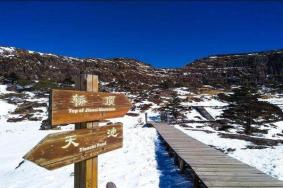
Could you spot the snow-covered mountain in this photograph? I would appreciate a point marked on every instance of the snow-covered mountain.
(126, 74)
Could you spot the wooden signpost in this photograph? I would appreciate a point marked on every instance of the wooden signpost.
(60, 149)
(88, 140)
(69, 106)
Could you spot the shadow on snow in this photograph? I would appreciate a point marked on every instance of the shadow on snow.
(170, 175)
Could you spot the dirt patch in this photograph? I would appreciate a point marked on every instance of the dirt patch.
(256, 147)
(132, 114)
(14, 98)
(28, 107)
(254, 140)
(206, 131)
(144, 107)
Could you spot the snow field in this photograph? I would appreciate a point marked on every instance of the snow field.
(134, 165)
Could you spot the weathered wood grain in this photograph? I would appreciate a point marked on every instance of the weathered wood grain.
(88, 169)
(60, 149)
(70, 106)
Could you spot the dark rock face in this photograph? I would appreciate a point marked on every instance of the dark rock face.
(255, 68)
(131, 75)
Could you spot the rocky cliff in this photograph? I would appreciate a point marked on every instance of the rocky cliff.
(253, 68)
(126, 74)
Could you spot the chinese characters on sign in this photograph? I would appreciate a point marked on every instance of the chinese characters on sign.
(81, 101)
(71, 106)
(78, 100)
(60, 149)
(112, 132)
(70, 140)
(110, 101)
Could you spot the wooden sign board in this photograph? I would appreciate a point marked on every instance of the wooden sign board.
(69, 106)
(60, 149)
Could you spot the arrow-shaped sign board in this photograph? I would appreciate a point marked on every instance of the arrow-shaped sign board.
(69, 106)
(60, 149)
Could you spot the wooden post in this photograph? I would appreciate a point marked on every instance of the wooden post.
(145, 118)
(181, 165)
(86, 172)
(196, 181)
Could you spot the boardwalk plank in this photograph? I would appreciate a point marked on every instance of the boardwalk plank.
(214, 168)
(240, 184)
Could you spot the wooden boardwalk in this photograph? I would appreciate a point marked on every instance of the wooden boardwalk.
(210, 167)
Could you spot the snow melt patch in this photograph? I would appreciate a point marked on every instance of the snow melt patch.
(182, 91)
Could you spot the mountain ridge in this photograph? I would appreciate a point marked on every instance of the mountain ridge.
(129, 74)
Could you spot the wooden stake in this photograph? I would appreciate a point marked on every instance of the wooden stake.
(181, 165)
(86, 172)
(145, 118)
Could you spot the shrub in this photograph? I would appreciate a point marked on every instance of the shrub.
(44, 85)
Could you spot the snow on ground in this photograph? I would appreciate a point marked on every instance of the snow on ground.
(16, 139)
(277, 100)
(142, 162)
(134, 165)
(215, 113)
(4, 109)
(278, 129)
(194, 115)
(206, 100)
(3, 89)
(138, 163)
(182, 91)
(268, 160)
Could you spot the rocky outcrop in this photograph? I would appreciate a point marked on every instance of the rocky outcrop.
(255, 68)
(125, 74)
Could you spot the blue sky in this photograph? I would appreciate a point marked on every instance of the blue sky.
(164, 34)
